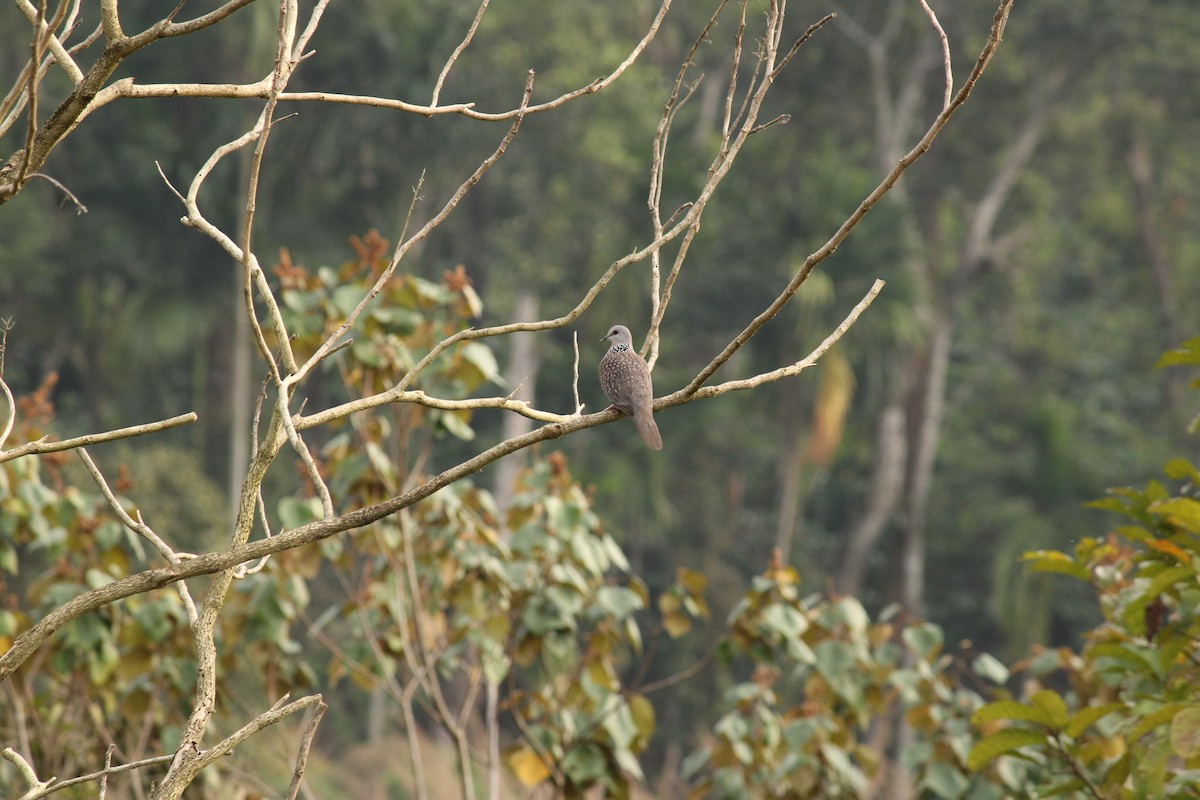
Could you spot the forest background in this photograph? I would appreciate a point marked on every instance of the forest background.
(1038, 261)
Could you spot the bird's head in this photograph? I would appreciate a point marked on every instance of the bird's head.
(619, 334)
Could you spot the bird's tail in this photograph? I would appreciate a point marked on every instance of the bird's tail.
(647, 429)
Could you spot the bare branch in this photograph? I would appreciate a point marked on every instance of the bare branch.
(946, 64)
(220, 561)
(80, 208)
(983, 222)
(575, 373)
(197, 220)
(301, 449)
(719, 168)
(126, 87)
(188, 764)
(108, 754)
(792, 369)
(441, 79)
(31, 93)
(110, 21)
(657, 172)
(45, 32)
(995, 36)
(141, 529)
(433, 683)
(403, 248)
(42, 446)
(10, 417)
(102, 774)
(165, 27)
(35, 784)
(306, 739)
(735, 64)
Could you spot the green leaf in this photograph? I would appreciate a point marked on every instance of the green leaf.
(1185, 733)
(1151, 769)
(97, 577)
(991, 747)
(345, 298)
(1166, 578)
(1160, 716)
(925, 639)
(482, 358)
(1009, 710)
(102, 662)
(585, 764)
(368, 353)
(1052, 704)
(695, 762)
(851, 612)
(643, 717)
(618, 601)
(1086, 717)
(457, 427)
(1186, 353)
(833, 659)
(1054, 561)
(1064, 788)
(845, 768)
(294, 512)
(528, 766)
(784, 619)
(1181, 511)
(1180, 469)
(988, 666)
(946, 781)
(154, 621)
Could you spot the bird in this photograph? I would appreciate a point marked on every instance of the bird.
(625, 379)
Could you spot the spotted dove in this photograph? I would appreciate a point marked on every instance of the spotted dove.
(625, 378)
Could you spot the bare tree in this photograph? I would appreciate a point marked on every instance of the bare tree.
(759, 54)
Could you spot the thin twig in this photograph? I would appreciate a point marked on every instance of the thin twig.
(141, 529)
(433, 683)
(108, 754)
(9, 418)
(306, 739)
(126, 87)
(657, 173)
(794, 369)
(39, 446)
(241, 550)
(27, 773)
(46, 788)
(404, 247)
(80, 208)
(31, 92)
(999, 22)
(946, 63)
(441, 78)
(575, 373)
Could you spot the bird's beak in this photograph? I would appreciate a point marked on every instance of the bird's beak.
(604, 338)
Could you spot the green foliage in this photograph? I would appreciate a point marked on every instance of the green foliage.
(535, 598)
(1128, 720)
(822, 674)
(129, 665)
(454, 589)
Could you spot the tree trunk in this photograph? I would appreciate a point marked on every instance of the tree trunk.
(240, 400)
(1160, 262)
(926, 431)
(521, 374)
(790, 471)
(891, 450)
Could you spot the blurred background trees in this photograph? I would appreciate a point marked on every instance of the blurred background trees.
(1038, 261)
